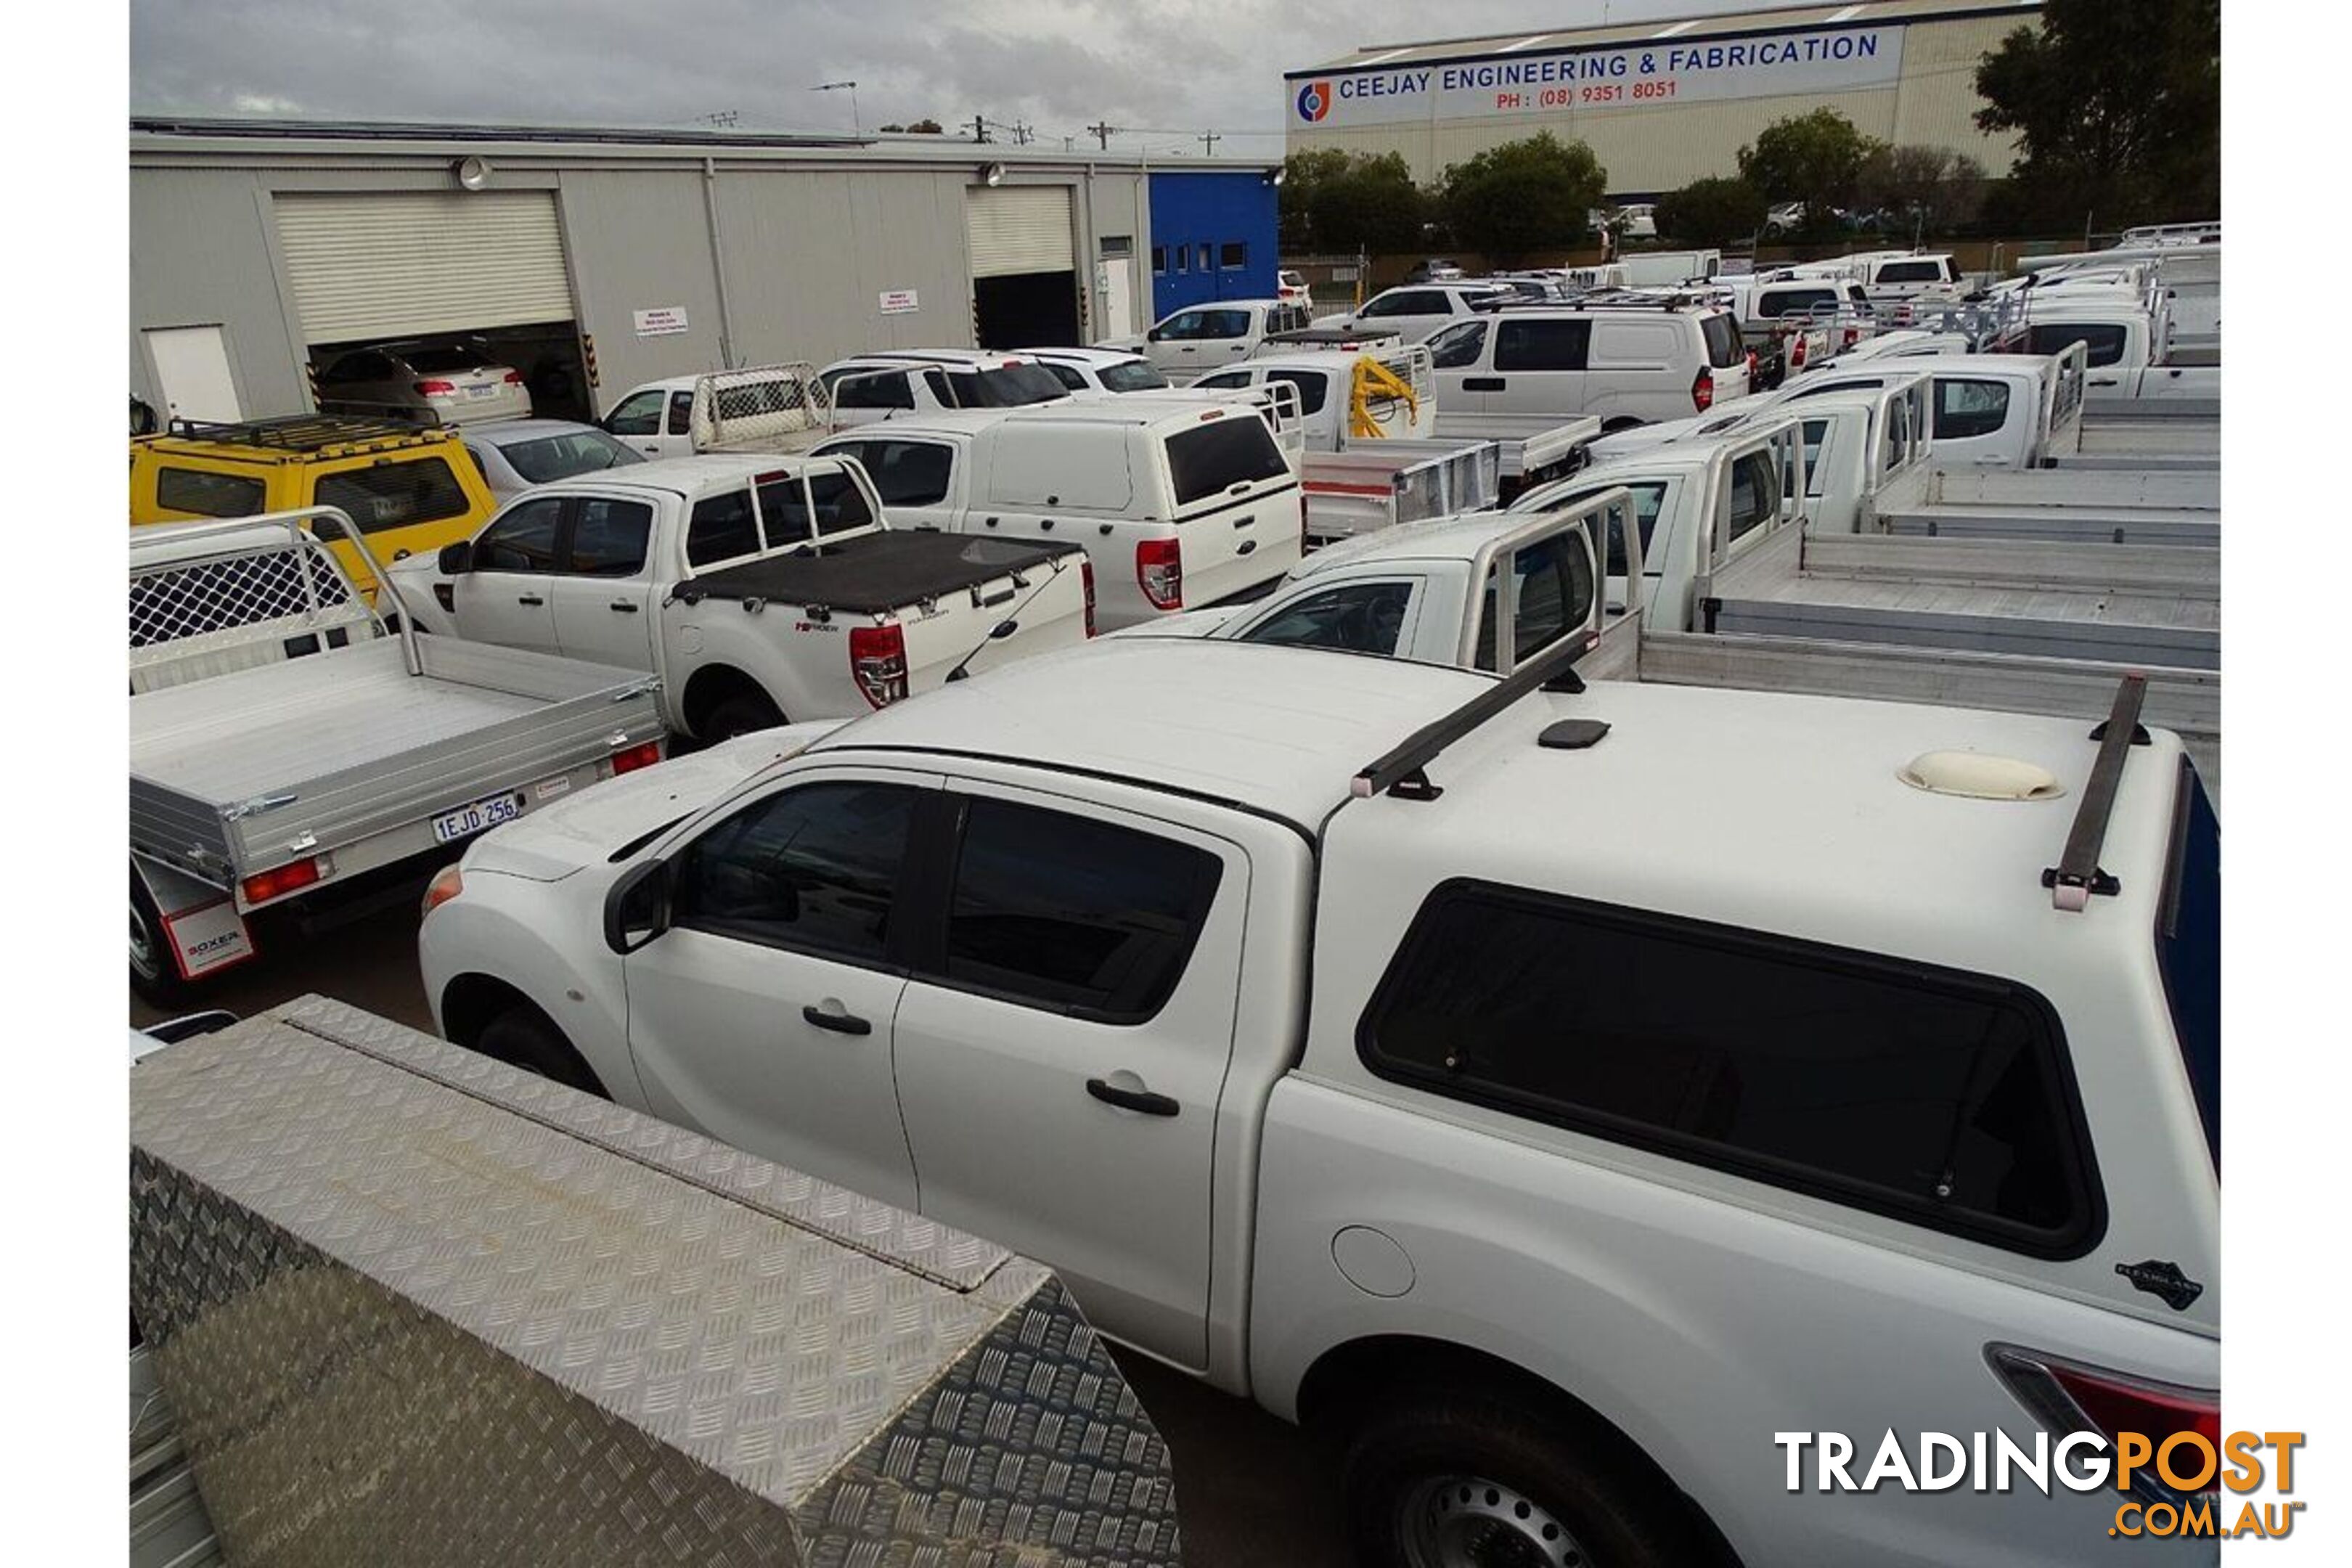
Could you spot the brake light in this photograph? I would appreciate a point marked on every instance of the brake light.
(878, 657)
(1752, 367)
(512, 378)
(1160, 571)
(279, 881)
(446, 885)
(1702, 390)
(1797, 351)
(1087, 580)
(639, 756)
(436, 388)
(1853, 336)
(2068, 1397)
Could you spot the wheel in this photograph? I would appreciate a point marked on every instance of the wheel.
(738, 715)
(522, 1038)
(1478, 1479)
(153, 973)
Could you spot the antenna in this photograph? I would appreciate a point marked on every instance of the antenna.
(1102, 132)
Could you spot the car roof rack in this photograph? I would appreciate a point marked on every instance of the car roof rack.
(2078, 876)
(300, 432)
(1401, 771)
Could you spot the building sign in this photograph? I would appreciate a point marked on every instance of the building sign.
(898, 301)
(1659, 71)
(660, 321)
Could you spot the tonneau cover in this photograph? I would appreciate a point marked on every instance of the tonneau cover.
(870, 573)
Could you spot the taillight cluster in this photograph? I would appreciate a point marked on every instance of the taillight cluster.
(643, 755)
(878, 657)
(2069, 1398)
(513, 378)
(280, 880)
(1702, 390)
(1160, 571)
(1797, 351)
(437, 389)
(1087, 580)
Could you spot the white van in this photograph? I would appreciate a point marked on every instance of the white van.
(1626, 362)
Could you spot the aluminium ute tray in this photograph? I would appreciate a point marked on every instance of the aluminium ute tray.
(414, 1307)
(350, 746)
(870, 573)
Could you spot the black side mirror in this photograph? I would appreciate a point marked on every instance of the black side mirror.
(455, 560)
(1152, 336)
(637, 909)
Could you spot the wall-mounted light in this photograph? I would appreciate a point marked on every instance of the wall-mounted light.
(473, 173)
(991, 174)
(1275, 177)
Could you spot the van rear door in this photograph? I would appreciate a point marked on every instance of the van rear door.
(1234, 500)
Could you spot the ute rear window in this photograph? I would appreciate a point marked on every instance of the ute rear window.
(2188, 949)
(1723, 345)
(1795, 301)
(2102, 344)
(1209, 459)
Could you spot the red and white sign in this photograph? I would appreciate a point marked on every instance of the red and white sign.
(898, 301)
(661, 321)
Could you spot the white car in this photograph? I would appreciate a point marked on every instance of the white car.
(1415, 310)
(455, 383)
(1625, 364)
(874, 386)
(1292, 288)
(1641, 220)
(1547, 1095)
(1112, 371)
(1190, 343)
(520, 453)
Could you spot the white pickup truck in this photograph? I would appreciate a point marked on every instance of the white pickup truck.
(1176, 500)
(1320, 1020)
(756, 587)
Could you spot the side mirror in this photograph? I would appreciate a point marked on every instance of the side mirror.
(455, 560)
(637, 909)
(1152, 336)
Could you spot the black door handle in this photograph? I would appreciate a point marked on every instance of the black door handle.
(529, 599)
(1142, 1099)
(839, 1023)
(1482, 384)
(624, 606)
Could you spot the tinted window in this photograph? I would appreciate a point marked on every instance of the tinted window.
(1457, 345)
(2105, 343)
(1222, 324)
(1360, 617)
(2189, 948)
(521, 541)
(1911, 272)
(721, 528)
(840, 506)
(1207, 459)
(1814, 433)
(1409, 302)
(638, 414)
(1723, 345)
(1311, 388)
(395, 495)
(1794, 302)
(1068, 377)
(1132, 376)
(904, 473)
(608, 537)
(1965, 408)
(1075, 915)
(1555, 589)
(207, 494)
(681, 413)
(1007, 386)
(869, 388)
(1159, 259)
(813, 868)
(443, 361)
(561, 457)
(1232, 255)
(1937, 1097)
(1541, 346)
(1648, 497)
(1755, 493)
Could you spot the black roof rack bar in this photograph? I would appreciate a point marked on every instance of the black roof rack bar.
(2077, 876)
(1400, 771)
(295, 432)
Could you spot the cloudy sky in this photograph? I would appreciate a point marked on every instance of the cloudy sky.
(1169, 70)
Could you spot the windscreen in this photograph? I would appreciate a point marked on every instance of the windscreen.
(1005, 387)
(573, 452)
(1209, 459)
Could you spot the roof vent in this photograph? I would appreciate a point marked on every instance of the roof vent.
(1976, 776)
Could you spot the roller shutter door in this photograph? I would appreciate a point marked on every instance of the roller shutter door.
(404, 264)
(1019, 228)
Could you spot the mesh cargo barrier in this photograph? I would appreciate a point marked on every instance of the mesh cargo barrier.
(413, 1307)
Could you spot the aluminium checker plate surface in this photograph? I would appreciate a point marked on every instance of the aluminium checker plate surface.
(413, 1307)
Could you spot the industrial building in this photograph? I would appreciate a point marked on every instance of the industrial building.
(1663, 102)
(595, 259)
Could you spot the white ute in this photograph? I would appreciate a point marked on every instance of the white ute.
(1336, 1029)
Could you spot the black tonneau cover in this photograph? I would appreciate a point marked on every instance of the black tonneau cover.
(866, 573)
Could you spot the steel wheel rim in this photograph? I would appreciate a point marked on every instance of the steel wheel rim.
(1470, 1521)
(145, 957)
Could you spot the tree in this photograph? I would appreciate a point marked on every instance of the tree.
(1522, 196)
(1304, 176)
(1929, 190)
(1816, 159)
(1711, 212)
(2117, 107)
(924, 128)
(1338, 201)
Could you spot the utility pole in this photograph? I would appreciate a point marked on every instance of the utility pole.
(1209, 140)
(979, 128)
(1103, 133)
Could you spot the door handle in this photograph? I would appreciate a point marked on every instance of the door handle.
(529, 599)
(1142, 1099)
(834, 1016)
(624, 606)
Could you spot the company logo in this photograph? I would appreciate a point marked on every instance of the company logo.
(1313, 100)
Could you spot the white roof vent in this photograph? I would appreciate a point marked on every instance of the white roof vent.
(1979, 777)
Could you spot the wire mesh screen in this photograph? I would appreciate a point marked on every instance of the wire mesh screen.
(748, 407)
(212, 596)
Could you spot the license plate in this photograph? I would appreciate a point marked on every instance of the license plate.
(480, 816)
(481, 392)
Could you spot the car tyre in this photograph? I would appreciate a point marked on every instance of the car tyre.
(154, 976)
(522, 1038)
(738, 715)
(1454, 1476)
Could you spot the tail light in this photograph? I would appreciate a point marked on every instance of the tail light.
(1702, 390)
(437, 389)
(280, 880)
(512, 378)
(639, 756)
(1797, 351)
(2069, 1398)
(1853, 336)
(878, 657)
(1087, 580)
(446, 885)
(1752, 367)
(1160, 571)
